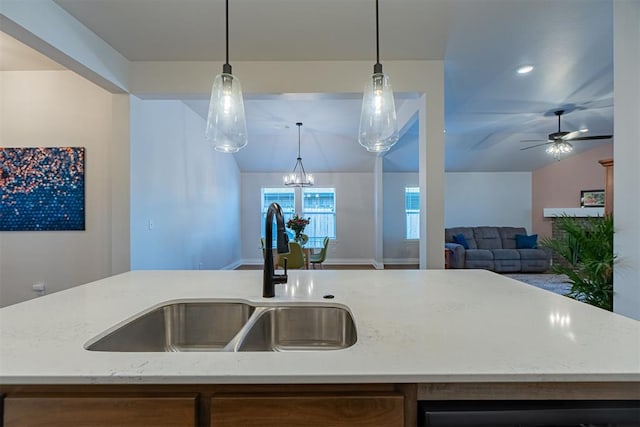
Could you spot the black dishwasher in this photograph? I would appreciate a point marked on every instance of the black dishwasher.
(512, 413)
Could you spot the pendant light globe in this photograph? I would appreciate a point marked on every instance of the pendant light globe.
(378, 122)
(226, 123)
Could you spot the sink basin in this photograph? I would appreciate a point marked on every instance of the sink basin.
(231, 326)
(185, 326)
(300, 329)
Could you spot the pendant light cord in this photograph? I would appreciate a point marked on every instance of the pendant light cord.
(377, 68)
(227, 32)
(377, 37)
(299, 126)
(226, 68)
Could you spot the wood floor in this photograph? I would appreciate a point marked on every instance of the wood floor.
(345, 267)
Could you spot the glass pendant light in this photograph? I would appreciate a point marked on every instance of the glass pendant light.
(298, 177)
(226, 124)
(378, 123)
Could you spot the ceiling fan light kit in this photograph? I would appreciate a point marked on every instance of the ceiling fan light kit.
(226, 123)
(378, 130)
(560, 140)
(559, 148)
(298, 177)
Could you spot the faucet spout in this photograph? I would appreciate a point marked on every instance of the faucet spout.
(269, 278)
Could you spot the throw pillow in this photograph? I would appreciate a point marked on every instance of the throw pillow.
(459, 239)
(526, 242)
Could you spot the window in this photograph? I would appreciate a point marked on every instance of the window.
(319, 204)
(285, 197)
(412, 212)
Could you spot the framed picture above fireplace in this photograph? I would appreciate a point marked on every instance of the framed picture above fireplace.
(592, 198)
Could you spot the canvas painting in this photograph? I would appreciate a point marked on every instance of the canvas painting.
(42, 188)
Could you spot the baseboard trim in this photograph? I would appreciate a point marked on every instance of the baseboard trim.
(232, 266)
(331, 261)
(401, 261)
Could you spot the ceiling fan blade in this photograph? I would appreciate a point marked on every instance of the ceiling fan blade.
(534, 140)
(537, 145)
(586, 138)
(571, 135)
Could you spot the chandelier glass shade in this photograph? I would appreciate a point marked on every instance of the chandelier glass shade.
(558, 148)
(226, 123)
(298, 176)
(378, 130)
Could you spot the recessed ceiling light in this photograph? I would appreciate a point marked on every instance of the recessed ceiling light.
(525, 69)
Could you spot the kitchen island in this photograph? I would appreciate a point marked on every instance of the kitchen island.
(421, 335)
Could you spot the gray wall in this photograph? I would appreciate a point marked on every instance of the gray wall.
(184, 195)
(488, 198)
(396, 249)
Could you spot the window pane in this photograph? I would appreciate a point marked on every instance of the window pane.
(412, 212)
(319, 204)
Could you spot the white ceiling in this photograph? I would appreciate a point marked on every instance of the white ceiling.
(489, 109)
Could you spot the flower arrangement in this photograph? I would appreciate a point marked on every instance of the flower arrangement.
(297, 224)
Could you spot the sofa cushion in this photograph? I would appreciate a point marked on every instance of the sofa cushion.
(506, 254)
(526, 242)
(479, 254)
(479, 258)
(507, 265)
(487, 237)
(467, 232)
(533, 254)
(508, 236)
(459, 239)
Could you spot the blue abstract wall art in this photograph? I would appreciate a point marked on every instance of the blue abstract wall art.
(42, 188)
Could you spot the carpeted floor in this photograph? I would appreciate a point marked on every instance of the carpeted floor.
(550, 282)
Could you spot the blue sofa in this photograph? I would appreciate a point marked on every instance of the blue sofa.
(495, 249)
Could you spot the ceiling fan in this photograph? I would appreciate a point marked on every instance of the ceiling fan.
(559, 141)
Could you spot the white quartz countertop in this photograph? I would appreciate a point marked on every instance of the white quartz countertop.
(414, 326)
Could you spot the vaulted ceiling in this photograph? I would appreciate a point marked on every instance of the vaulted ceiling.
(489, 108)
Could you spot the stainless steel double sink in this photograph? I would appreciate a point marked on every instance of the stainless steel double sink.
(231, 327)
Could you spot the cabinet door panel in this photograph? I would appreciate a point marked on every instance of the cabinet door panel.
(99, 411)
(384, 410)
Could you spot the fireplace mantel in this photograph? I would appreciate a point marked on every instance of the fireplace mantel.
(577, 212)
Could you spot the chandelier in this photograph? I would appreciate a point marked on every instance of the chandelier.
(298, 177)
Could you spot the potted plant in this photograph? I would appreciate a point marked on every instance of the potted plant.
(586, 246)
(298, 224)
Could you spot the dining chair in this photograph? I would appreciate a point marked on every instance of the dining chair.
(295, 257)
(321, 256)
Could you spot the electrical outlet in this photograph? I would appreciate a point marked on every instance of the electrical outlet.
(151, 224)
(39, 288)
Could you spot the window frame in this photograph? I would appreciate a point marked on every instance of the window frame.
(408, 212)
